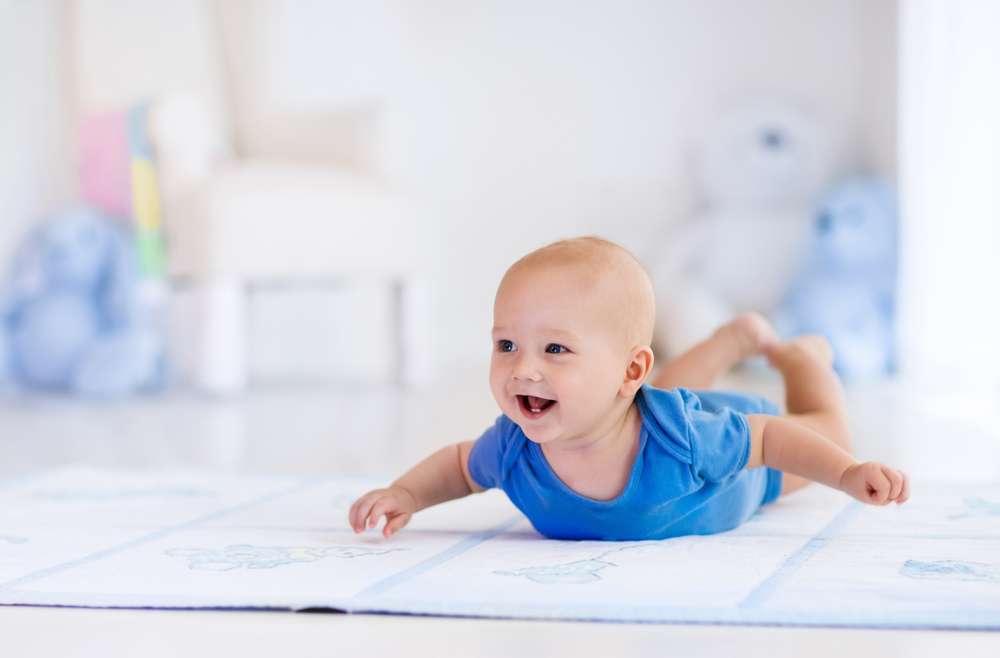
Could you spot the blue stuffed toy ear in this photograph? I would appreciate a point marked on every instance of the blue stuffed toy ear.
(119, 278)
(25, 282)
(28, 278)
(4, 358)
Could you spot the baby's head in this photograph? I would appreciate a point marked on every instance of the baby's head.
(572, 326)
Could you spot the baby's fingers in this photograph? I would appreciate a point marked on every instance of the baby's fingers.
(395, 524)
(383, 507)
(904, 494)
(360, 510)
(895, 483)
(878, 487)
(352, 514)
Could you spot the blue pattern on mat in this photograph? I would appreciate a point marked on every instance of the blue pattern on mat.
(898, 567)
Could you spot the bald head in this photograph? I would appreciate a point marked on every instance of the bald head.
(607, 275)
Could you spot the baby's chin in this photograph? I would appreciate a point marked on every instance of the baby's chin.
(536, 439)
(539, 435)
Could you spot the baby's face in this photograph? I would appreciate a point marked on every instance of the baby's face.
(558, 359)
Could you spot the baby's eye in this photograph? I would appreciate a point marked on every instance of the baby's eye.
(555, 348)
(504, 345)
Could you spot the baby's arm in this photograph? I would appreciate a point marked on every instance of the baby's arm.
(441, 477)
(783, 444)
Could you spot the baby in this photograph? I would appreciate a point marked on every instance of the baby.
(586, 450)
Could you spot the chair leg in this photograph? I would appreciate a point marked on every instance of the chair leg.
(222, 354)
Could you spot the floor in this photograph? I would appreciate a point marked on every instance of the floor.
(381, 431)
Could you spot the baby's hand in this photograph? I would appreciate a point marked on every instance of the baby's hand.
(876, 484)
(395, 503)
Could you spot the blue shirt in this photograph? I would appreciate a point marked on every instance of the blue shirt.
(688, 477)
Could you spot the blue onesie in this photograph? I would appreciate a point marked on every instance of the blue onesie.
(688, 477)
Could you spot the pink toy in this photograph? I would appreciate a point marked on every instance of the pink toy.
(118, 176)
(105, 180)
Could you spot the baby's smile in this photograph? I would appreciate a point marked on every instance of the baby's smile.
(534, 407)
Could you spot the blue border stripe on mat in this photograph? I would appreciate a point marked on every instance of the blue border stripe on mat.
(770, 585)
(461, 547)
(163, 532)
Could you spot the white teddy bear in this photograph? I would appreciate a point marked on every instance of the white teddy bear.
(761, 167)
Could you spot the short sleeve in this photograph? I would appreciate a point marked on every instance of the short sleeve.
(486, 457)
(720, 442)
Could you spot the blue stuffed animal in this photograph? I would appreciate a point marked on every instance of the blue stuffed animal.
(72, 318)
(847, 289)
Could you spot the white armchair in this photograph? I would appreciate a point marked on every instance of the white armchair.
(235, 222)
(247, 222)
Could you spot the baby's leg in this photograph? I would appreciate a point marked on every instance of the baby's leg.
(745, 336)
(813, 393)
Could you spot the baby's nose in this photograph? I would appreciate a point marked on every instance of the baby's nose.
(526, 370)
(533, 376)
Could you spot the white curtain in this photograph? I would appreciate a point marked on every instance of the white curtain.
(949, 141)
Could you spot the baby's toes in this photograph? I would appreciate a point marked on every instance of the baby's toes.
(761, 330)
(753, 332)
(818, 346)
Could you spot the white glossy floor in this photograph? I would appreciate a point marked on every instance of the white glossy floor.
(381, 431)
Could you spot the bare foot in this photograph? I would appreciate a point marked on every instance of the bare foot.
(801, 347)
(751, 333)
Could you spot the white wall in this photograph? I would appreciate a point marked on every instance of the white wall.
(37, 161)
(519, 122)
(950, 148)
(513, 123)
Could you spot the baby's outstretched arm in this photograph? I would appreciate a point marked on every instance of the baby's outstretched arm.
(441, 477)
(786, 445)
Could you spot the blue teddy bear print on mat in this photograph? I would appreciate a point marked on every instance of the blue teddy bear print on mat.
(950, 570)
(578, 572)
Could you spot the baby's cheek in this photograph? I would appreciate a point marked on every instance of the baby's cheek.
(497, 389)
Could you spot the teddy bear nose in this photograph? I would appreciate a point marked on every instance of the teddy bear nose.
(772, 139)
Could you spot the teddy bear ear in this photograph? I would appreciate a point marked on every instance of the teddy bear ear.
(28, 277)
(120, 274)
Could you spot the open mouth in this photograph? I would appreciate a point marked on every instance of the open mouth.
(534, 407)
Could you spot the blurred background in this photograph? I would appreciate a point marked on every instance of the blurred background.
(223, 222)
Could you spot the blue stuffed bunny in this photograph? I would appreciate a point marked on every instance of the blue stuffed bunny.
(72, 318)
(847, 289)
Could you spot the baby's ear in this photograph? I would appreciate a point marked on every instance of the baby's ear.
(637, 370)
